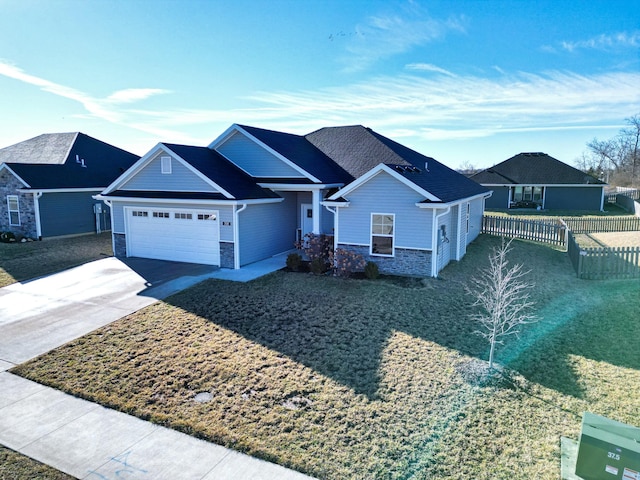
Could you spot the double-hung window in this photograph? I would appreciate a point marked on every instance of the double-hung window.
(382, 233)
(13, 206)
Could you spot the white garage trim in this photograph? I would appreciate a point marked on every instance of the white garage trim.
(177, 234)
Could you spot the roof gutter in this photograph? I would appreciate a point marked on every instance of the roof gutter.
(189, 201)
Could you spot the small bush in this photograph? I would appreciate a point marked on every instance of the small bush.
(7, 237)
(371, 270)
(317, 266)
(294, 261)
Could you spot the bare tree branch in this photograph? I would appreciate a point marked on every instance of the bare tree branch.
(503, 297)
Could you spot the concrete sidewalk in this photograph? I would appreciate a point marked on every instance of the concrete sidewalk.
(82, 438)
(89, 441)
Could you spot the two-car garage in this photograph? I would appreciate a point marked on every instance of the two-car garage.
(182, 235)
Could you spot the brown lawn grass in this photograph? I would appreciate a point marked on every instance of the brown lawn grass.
(14, 466)
(24, 261)
(609, 239)
(369, 379)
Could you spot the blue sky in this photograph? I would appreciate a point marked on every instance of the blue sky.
(467, 81)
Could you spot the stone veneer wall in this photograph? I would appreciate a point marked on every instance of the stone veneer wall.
(405, 262)
(9, 185)
(227, 255)
(120, 244)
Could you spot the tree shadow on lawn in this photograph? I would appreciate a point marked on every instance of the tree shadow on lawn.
(601, 325)
(341, 327)
(338, 327)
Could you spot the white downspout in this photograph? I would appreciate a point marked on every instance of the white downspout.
(36, 209)
(602, 200)
(335, 227)
(236, 236)
(113, 238)
(434, 241)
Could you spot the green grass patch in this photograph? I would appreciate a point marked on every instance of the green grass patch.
(344, 378)
(24, 261)
(14, 466)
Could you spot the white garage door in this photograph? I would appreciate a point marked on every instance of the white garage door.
(180, 235)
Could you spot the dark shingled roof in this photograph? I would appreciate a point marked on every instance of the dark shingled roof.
(353, 148)
(221, 171)
(358, 149)
(49, 161)
(534, 169)
(297, 149)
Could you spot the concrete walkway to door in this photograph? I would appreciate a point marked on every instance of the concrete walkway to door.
(82, 438)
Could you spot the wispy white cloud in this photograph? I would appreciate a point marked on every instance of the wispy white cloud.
(382, 36)
(131, 95)
(606, 42)
(103, 108)
(443, 107)
(461, 107)
(428, 67)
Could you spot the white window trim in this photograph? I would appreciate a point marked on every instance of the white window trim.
(392, 236)
(165, 165)
(16, 210)
(468, 215)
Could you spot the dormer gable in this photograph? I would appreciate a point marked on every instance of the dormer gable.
(255, 157)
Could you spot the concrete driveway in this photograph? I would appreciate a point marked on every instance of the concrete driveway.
(39, 315)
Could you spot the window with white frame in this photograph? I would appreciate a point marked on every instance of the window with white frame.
(165, 167)
(382, 233)
(13, 205)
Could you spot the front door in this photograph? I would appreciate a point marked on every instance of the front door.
(306, 220)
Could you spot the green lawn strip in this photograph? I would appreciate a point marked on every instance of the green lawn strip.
(24, 261)
(357, 378)
(14, 466)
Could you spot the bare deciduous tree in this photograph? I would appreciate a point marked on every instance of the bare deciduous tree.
(616, 160)
(503, 297)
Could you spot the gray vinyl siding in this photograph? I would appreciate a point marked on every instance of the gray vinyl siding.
(326, 221)
(384, 194)
(254, 159)
(267, 229)
(67, 213)
(456, 232)
(499, 199)
(181, 178)
(573, 198)
(225, 212)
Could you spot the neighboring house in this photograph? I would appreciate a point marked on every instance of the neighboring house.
(252, 193)
(47, 184)
(537, 180)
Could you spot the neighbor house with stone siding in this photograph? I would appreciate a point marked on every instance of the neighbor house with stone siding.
(252, 193)
(47, 184)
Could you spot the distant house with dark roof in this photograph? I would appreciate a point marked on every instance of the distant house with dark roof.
(253, 192)
(537, 180)
(47, 184)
